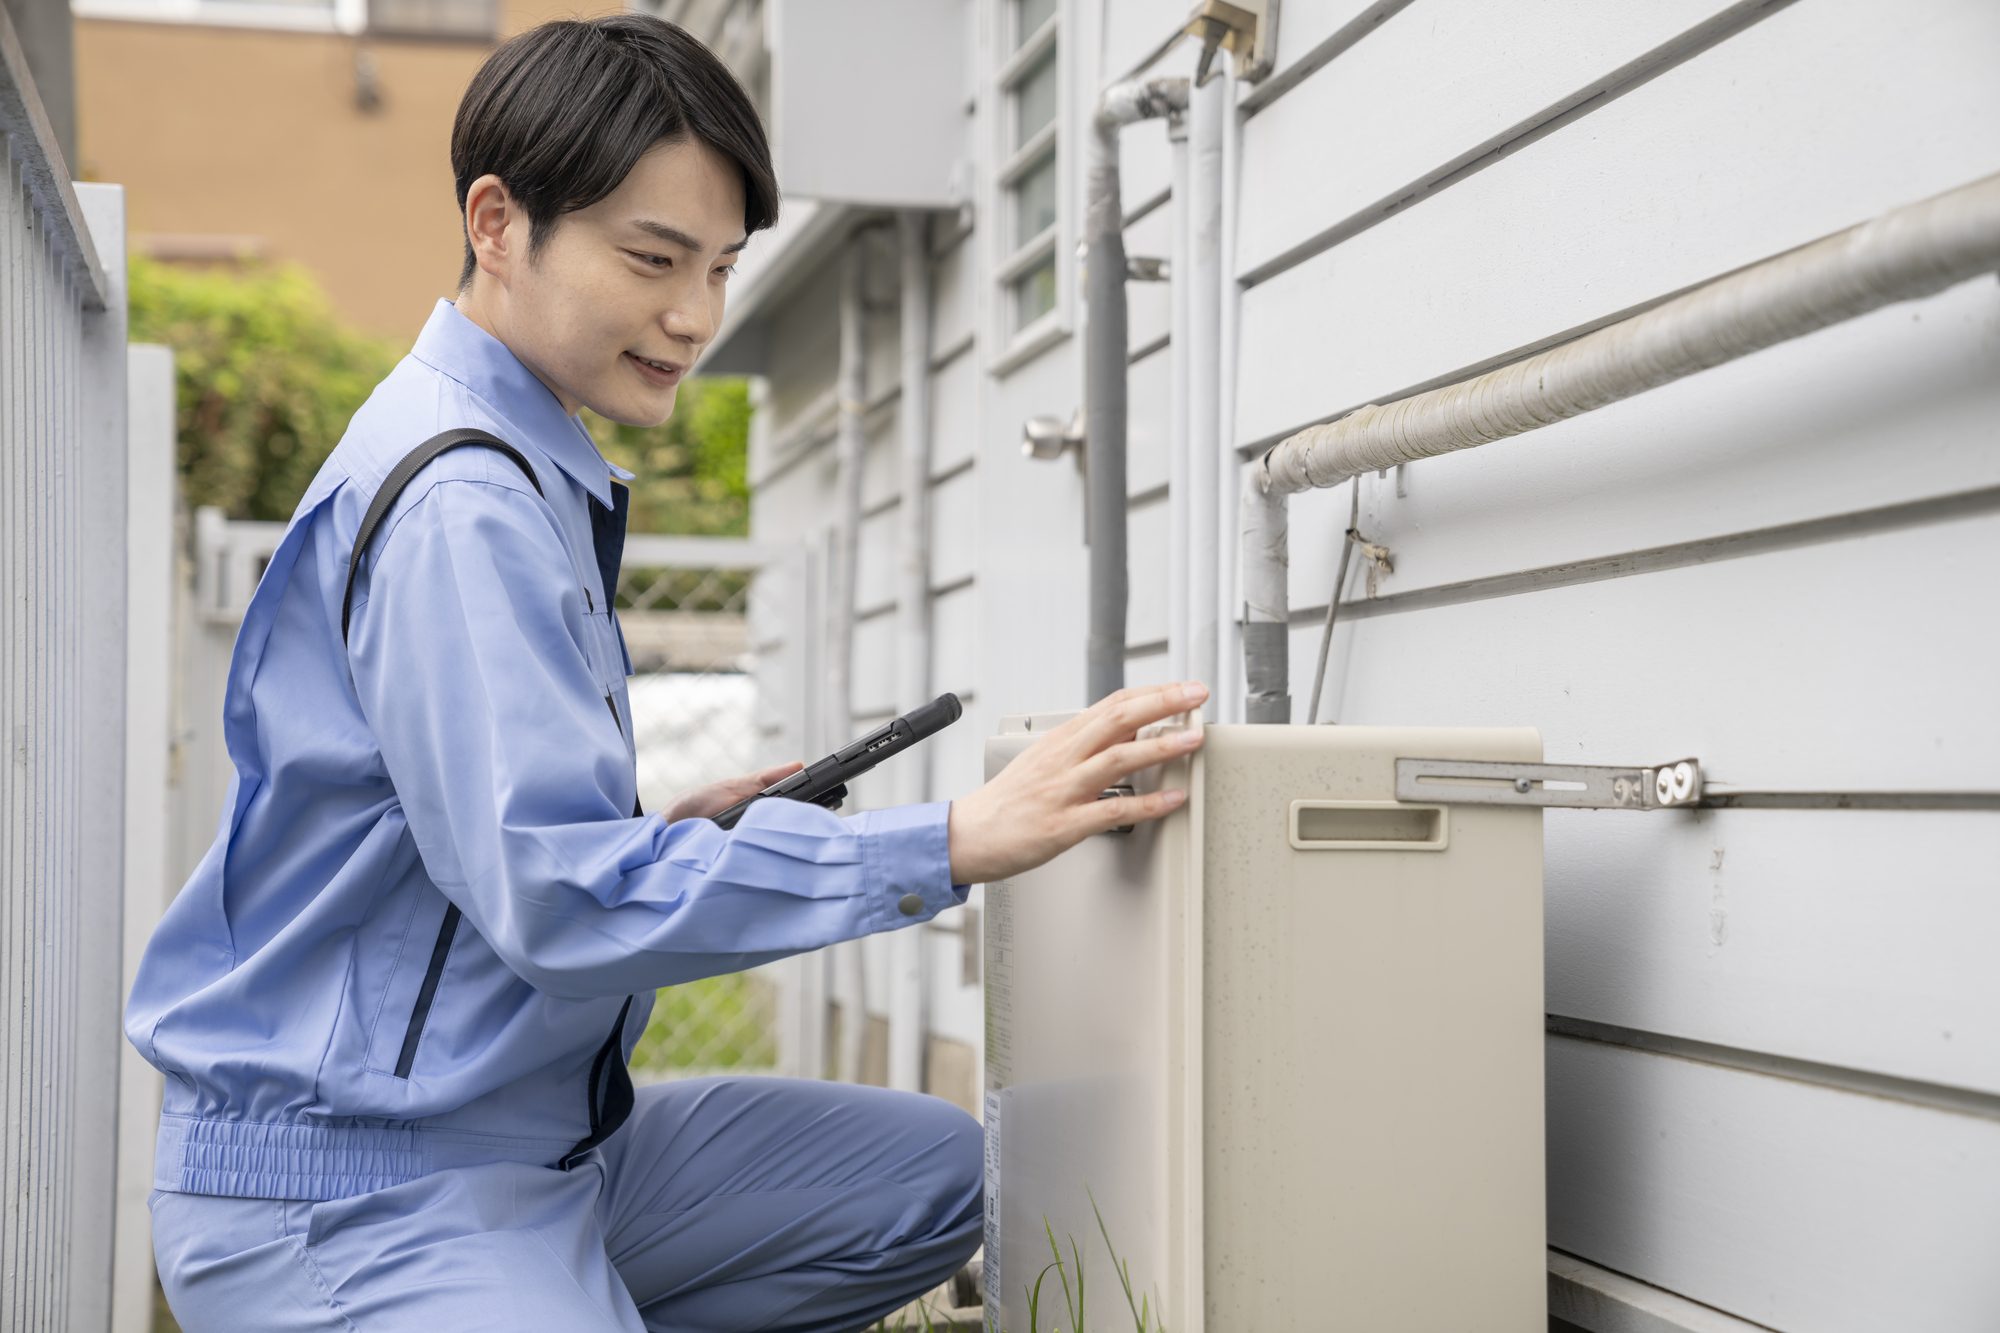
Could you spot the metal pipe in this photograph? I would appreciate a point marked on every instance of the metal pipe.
(851, 390)
(850, 448)
(1209, 495)
(1227, 689)
(1181, 490)
(1910, 253)
(1104, 415)
(907, 1017)
(1105, 347)
(1266, 628)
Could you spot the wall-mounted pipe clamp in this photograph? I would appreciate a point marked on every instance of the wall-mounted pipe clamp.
(1051, 437)
(1571, 786)
(1248, 30)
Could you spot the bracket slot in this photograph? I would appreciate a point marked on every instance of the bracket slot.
(1572, 786)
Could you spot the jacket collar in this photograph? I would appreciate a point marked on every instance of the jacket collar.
(460, 350)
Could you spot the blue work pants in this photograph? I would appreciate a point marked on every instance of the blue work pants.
(733, 1204)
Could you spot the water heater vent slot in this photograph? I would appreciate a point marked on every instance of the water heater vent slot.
(1368, 826)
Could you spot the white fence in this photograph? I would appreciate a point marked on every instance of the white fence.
(62, 652)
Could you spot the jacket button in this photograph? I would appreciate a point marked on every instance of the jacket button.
(911, 905)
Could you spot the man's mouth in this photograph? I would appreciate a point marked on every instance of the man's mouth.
(663, 372)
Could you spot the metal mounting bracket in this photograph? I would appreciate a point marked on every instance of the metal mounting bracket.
(1571, 786)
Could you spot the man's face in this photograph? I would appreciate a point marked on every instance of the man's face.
(613, 311)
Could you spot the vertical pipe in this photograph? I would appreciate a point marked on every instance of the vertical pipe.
(851, 443)
(1266, 651)
(851, 391)
(1227, 688)
(907, 1026)
(1206, 112)
(1104, 413)
(1181, 492)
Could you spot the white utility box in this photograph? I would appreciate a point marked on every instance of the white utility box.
(1289, 1040)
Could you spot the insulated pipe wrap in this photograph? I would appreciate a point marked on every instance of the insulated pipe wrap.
(1104, 432)
(1911, 253)
(1105, 345)
(1266, 539)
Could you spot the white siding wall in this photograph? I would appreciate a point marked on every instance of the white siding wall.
(1837, 938)
(1789, 1106)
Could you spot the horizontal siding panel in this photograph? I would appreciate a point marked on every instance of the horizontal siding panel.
(957, 752)
(1306, 23)
(882, 464)
(1431, 83)
(1797, 432)
(1848, 667)
(955, 411)
(1148, 419)
(1861, 939)
(955, 643)
(1149, 670)
(876, 575)
(1148, 305)
(1709, 167)
(1146, 559)
(954, 279)
(875, 668)
(1133, 28)
(1798, 1207)
(954, 528)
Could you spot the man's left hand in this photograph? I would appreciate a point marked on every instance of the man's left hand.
(713, 799)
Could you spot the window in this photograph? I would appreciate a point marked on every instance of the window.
(305, 15)
(478, 20)
(469, 20)
(1029, 86)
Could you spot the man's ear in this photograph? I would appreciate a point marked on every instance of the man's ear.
(489, 213)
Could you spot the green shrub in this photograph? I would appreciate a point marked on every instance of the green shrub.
(267, 378)
(691, 473)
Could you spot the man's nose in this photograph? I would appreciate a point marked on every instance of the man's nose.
(690, 317)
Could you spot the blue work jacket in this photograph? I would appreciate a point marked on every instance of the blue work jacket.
(323, 1034)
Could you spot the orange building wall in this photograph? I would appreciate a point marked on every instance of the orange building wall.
(238, 131)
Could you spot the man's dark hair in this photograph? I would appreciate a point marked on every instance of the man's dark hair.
(563, 112)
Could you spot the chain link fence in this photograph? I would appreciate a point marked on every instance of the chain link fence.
(704, 621)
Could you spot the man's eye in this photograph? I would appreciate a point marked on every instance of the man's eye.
(725, 271)
(657, 261)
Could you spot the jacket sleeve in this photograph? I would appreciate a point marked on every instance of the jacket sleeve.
(468, 662)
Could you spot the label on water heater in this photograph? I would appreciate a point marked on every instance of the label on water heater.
(989, 1277)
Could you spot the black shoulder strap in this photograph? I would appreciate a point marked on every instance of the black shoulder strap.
(400, 477)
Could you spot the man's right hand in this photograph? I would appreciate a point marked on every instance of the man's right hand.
(1045, 801)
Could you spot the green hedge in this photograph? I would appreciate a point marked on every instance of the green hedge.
(268, 376)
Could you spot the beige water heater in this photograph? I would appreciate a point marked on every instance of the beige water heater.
(1286, 1043)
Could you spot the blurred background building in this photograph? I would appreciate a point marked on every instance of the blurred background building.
(310, 132)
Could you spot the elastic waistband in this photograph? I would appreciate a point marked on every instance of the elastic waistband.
(252, 1160)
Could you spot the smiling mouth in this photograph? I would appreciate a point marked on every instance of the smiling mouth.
(658, 367)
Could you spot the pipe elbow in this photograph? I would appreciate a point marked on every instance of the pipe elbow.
(1140, 99)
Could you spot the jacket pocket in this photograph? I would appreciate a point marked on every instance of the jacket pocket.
(428, 993)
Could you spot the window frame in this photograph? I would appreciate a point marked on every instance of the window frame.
(1013, 257)
(348, 17)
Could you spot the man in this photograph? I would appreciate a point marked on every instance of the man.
(395, 1001)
